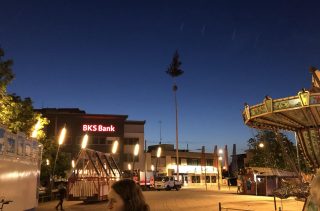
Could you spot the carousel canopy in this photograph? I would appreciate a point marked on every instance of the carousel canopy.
(300, 113)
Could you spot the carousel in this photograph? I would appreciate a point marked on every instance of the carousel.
(299, 114)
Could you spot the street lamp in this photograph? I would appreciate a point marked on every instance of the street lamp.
(73, 164)
(115, 147)
(84, 141)
(158, 156)
(152, 167)
(261, 145)
(114, 151)
(135, 153)
(60, 142)
(219, 168)
(219, 171)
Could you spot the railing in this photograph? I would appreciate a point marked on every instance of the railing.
(230, 209)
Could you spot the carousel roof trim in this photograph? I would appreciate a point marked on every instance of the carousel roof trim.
(280, 113)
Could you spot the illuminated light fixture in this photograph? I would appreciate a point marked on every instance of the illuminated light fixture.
(36, 129)
(62, 135)
(73, 164)
(115, 147)
(129, 166)
(261, 145)
(84, 141)
(136, 150)
(220, 151)
(152, 167)
(159, 152)
(47, 162)
(220, 158)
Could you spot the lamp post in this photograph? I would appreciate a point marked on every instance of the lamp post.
(115, 147)
(114, 151)
(84, 141)
(135, 153)
(60, 142)
(219, 168)
(219, 171)
(158, 156)
(61, 139)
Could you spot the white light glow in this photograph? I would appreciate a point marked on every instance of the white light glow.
(36, 128)
(220, 158)
(62, 135)
(152, 167)
(159, 152)
(220, 151)
(84, 141)
(73, 164)
(129, 166)
(47, 162)
(136, 150)
(15, 175)
(115, 147)
(194, 169)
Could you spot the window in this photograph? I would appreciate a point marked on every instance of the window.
(193, 162)
(11, 145)
(129, 158)
(207, 179)
(131, 141)
(95, 140)
(195, 179)
(213, 179)
(209, 162)
(103, 141)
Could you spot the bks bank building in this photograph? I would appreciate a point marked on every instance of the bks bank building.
(102, 129)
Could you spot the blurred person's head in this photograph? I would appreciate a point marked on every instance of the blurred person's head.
(126, 195)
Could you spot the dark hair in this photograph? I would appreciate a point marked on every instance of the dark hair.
(131, 194)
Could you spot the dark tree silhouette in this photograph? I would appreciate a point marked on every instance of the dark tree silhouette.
(174, 68)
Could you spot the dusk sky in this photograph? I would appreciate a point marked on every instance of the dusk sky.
(110, 57)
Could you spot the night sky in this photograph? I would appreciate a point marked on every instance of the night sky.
(110, 57)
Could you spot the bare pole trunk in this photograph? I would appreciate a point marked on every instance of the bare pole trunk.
(177, 139)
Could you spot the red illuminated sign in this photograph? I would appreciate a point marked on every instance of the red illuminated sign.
(98, 128)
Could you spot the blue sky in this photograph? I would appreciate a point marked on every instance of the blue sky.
(110, 57)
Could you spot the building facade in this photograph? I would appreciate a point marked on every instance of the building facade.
(195, 168)
(103, 130)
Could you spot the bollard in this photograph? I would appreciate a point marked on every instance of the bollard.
(219, 206)
(279, 208)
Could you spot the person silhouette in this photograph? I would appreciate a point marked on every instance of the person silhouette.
(62, 194)
(126, 195)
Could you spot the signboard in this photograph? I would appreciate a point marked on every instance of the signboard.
(98, 128)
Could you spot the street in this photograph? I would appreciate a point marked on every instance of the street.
(195, 199)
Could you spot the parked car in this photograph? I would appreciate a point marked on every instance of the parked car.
(167, 183)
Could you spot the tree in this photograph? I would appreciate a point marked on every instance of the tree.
(174, 68)
(18, 115)
(15, 113)
(277, 152)
(175, 71)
